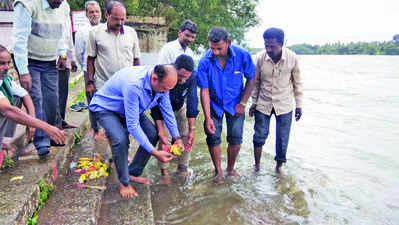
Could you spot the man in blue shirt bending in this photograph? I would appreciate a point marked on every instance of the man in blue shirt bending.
(119, 107)
(220, 76)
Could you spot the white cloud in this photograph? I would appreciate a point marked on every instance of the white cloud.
(319, 22)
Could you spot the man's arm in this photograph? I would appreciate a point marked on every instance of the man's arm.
(21, 117)
(206, 108)
(192, 110)
(91, 87)
(157, 116)
(30, 109)
(80, 49)
(298, 93)
(22, 28)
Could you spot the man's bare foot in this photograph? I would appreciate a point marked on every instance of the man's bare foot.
(218, 178)
(140, 180)
(165, 180)
(232, 173)
(99, 137)
(278, 168)
(127, 192)
(257, 168)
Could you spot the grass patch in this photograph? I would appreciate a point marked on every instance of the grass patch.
(45, 190)
(77, 138)
(80, 98)
(7, 163)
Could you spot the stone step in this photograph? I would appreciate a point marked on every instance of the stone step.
(19, 200)
(71, 204)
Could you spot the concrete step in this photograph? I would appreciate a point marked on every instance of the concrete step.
(19, 200)
(71, 204)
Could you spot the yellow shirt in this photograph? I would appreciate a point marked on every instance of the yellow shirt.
(277, 84)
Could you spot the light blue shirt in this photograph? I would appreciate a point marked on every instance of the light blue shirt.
(225, 85)
(22, 28)
(128, 93)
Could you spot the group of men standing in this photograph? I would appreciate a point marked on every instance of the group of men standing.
(119, 90)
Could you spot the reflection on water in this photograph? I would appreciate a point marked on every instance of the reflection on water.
(342, 161)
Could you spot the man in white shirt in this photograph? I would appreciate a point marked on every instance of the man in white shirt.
(171, 50)
(93, 13)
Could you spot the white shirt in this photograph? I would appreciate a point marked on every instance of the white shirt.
(81, 38)
(171, 50)
(16, 89)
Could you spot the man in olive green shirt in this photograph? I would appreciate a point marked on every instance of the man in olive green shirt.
(278, 83)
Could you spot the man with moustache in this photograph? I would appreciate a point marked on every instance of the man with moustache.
(93, 14)
(111, 47)
(12, 96)
(221, 73)
(278, 84)
(39, 40)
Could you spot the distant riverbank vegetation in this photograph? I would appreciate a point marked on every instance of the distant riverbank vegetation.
(357, 48)
(353, 48)
(236, 16)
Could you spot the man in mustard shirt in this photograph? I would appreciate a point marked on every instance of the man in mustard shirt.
(278, 83)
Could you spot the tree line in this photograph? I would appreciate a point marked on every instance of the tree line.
(236, 16)
(353, 48)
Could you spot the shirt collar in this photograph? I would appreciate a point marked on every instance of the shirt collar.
(283, 55)
(122, 31)
(45, 4)
(147, 81)
(231, 51)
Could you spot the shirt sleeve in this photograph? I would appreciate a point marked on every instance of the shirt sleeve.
(91, 44)
(202, 76)
(136, 46)
(22, 28)
(255, 92)
(163, 56)
(79, 48)
(18, 90)
(249, 67)
(131, 101)
(297, 84)
(2, 95)
(70, 48)
(192, 98)
(168, 115)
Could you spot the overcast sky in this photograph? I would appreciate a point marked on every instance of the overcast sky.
(327, 21)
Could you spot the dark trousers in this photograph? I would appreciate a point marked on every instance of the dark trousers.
(116, 131)
(63, 87)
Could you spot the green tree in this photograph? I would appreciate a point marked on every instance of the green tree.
(236, 16)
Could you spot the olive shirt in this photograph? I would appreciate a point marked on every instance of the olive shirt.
(277, 84)
(112, 52)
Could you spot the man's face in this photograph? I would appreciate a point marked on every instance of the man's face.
(117, 18)
(182, 76)
(55, 3)
(186, 38)
(220, 49)
(4, 64)
(273, 48)
(93, 13)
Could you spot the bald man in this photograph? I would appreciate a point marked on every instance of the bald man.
(119, 107)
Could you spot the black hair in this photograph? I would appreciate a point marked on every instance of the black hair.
(217, 34)
(190, 26)
(2, 48)
(184, 62)
(113, 4)
(159, 70)
(274, 33)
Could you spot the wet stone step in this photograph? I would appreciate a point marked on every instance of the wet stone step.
(70, 203)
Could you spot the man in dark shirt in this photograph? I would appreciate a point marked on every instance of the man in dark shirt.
(185, 112)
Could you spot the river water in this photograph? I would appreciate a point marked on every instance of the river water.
(343, 159)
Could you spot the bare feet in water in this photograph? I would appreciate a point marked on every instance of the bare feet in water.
(140, 180)
(127, 192)
(232, 173)
(257, 168)
(218, 178)
(278, 168)
(99, 136)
